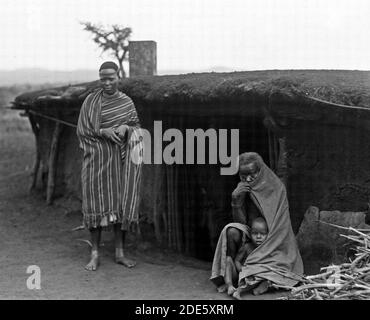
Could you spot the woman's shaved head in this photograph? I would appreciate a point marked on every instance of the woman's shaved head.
(109, 65)
(249, 165)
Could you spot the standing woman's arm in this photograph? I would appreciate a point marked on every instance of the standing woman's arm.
(132, 123)
(87, 121)
(134, 119)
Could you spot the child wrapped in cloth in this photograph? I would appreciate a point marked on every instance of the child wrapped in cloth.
(277, 259)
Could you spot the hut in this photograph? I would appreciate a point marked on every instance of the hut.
(311, 127)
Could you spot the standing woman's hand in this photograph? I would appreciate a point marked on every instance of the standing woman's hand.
(110, 134)
(121, 130)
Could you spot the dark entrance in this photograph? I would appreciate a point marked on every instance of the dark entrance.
(205, 195)
(195, 197)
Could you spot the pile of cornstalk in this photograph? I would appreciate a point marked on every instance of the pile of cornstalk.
(347, 281)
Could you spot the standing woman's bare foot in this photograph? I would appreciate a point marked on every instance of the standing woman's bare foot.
(121, 259)
(126, 262)
(94, 262)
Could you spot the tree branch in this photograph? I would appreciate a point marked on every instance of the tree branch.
(114, 39)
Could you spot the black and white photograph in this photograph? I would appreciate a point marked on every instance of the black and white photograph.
(201, 151)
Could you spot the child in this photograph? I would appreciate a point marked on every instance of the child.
(259, 233)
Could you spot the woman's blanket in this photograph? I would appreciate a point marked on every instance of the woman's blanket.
(219, 260)
(277, 259)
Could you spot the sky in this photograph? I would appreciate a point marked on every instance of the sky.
(191, 35)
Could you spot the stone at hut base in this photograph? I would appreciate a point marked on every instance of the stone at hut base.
(320, 244)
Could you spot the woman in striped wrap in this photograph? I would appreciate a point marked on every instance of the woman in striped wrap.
(108, 132)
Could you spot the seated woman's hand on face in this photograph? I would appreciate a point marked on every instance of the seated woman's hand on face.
(238, 195)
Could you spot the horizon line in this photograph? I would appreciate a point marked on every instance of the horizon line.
(189, 70)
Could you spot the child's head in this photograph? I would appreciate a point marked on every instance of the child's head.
(259, 231)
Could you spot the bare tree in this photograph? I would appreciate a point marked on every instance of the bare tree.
(114, 40)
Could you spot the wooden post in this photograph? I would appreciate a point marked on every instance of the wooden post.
(170, 210)
(277, 147)
(36, 166)
(174, 222)
(53, 163)
(156, 203)
(187, 213)
(35, 170)
(177, 210)
(142, 58)
(282, 168)
(272, 151)
(273, 132)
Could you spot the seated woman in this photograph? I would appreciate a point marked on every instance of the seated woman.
(277, 259)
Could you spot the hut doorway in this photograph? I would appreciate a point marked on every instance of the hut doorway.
(213, 209)
(197, 198)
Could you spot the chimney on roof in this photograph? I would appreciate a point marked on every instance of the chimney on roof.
(142, 58)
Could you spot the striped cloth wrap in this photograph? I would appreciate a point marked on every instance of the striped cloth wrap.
(111, 172)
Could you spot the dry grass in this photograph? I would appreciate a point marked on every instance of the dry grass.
(337, 86)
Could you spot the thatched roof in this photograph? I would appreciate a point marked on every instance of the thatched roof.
(323, 90)
(342, 87)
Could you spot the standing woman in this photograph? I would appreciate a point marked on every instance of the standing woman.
(107, 130)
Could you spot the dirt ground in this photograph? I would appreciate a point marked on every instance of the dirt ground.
(32, 233)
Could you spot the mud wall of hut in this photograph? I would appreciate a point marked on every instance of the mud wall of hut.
(184, 207)
(328, 167)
